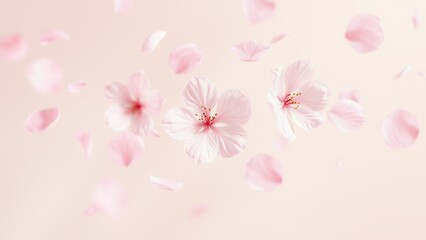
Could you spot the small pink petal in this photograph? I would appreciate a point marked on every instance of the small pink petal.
(258, 11)
(346, 115)
(400, 129)
(350, 94)
(125, 148)
(41, 120)
(45, 75)
(12, 47)
(52, 36)
(76, 87)
(166, 184)
(402, 73)
(85, 140)
(123, 5)
(264, 172)
(152, 41)
(185, 58)
(199, 211)
(280, 143)
(108, 197)
(279, 37)
(250, 51)
(422, 75)
(364, 33)
(416, 19)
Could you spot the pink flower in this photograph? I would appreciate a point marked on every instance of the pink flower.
(205, 131)
(296, 98)
(134, 105)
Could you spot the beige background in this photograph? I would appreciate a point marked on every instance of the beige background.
(46, 182)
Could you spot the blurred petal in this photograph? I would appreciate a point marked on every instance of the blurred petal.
(350, 94)
(279, 37)
(185, 58)
(108, 197)
(231, 140)
(41, 120)
(166, 184)
(153, 101)
(76, 87)
(264, 172)
(199, 210)
(85, 140)
(52, 36)
(12, 47)
(233, 107)
(402, 73)
(257, 11)
(202, 146)
(416, 19)
(118, 93)
(400, 129)
(346, 115)
(123, 5)
(152, 41)
(250, 51)
(200, 93)
(125, 148)
(117, 118)
(280, 143)
(45, 75)
(364, 33)
(180, 123)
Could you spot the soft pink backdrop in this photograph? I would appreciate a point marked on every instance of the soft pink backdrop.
(46, 181)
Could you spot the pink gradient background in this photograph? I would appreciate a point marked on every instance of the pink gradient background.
(46, 181)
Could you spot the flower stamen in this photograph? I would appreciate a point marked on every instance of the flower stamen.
(206, 117)
(290, 101)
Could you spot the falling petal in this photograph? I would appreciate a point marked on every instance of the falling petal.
(123, 5)
(350, 94)
(76, 87)
(85, 140)
(152, 41)
(108, 197)
(400, 129)
(279, 37)
(166, 184)
(12, 47)
(45, 75)
(258, 11)
(422, 75)
(280, 143)
(416, 19)
(185, 58)
(125, 148)
(402, 73)
(364, 33)
(199, 211)
(250, 51)
(346, 115)
(52, 36)
(264, 172)
(41, 120)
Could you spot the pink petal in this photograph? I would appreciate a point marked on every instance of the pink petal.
(85, 140)
(125, 148)
(52, 36)
(257, 11)
(422, 75)
(280, 143)
(364, 33)
(296, 75)
(199, 211)
(41, 120)
(123, 5)
(264, 172)
(180, 123)
(400, 129)
(402, 73)
(250, 51)
(108, 197)
(350, 94)
(76, 87)
(117, 118)
(279, 37)
(166, 184)
(12, 47)
(200, 93)
(185, 58)
(416, 19)
(284, 125)
(346, 115)
(233, 107)
(45, 75)
(231, 140)
(118, 93)
(306, 119)
(152, 41)
(202, 146)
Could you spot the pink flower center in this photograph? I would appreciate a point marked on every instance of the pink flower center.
(205, 116)
(135, 108)
(290, 101)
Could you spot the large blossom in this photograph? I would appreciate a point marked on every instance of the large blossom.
(134, 105)
(207, 131)
(297, 98)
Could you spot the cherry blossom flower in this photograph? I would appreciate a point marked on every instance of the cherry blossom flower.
(296, 98)
(207, 132)
(134, 105)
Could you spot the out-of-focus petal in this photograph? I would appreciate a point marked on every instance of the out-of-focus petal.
(346, 115)
(264, 172)
(152, 41)
(258, 11)
(126, 148)
(402, 73)
(200, 93)
(117, 119)
(233, 107)
(118, 93)
(280, 36)
(52, 36)
(364, 33)
(123, 5)
(400, 129)
(76, 87)
(350, 94)
(250, 51)
(185, 58)
(416, 19)
(108, 197)
(41, 120)
(85, 139)
(45, 75)
(231, 140)
(166, 183)
(12, 47)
